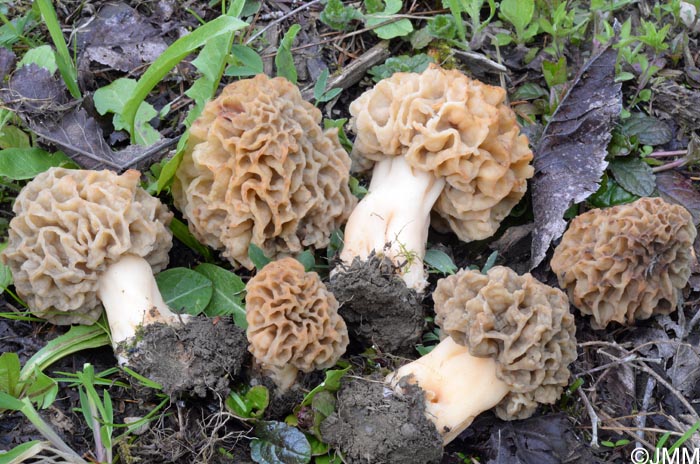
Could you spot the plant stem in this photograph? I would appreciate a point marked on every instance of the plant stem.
(664, 154)
(33, 416)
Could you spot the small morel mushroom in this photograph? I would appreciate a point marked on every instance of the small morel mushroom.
(81, 240)
(510, 342)
(259, 169)
(626, 262)
(438, 141)
(293, 322)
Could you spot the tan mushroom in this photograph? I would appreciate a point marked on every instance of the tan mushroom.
(83, 237)
(510, 341)
(293, 322)
(438, 141)
(259, 169)
(626, 262)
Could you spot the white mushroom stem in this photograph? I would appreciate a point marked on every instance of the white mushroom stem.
(284, 377)
(395, 211)
(130, 296)
(457, 386)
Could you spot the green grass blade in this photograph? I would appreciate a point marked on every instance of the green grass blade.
(171, 57)
(63, 58)
(79, 337)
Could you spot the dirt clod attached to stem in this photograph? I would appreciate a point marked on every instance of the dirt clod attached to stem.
(377, 306)
(201, 355)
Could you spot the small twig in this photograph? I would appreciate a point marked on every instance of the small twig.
(641, 419)
(627, 359)
(474, 56)
(280, 19)
(593, 417)
(680, 162)
(665, 154)
(670, 388)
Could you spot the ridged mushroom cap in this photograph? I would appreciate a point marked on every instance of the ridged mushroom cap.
(293, 319)
(455, 127)
(626, 262)
(69, 225)
(522, 323)
(259, 169)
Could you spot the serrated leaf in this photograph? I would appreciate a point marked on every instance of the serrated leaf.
(26, 163)
(284, 60)
(257, 256)
(227, 296)
(278, 443)
(185, 291)
(649, 130)
(338, 16)
(439, 260)
(634, 175)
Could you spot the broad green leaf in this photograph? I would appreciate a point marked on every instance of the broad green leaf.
(442, 27)
(648, 129)
(23, 452)
(519, 13)
(438, 259)
(338, 16)
(284, 60)
(402, 63)
(41, 389)
(252, 404)
(400, 28)
(554, 73)
(247, 62)
(307, 259)
(331, 384)
(8, 401)
(278, 443)
(634, 175)
(182, 233)
(610, 193)
(529, 91)
(257, 256)
(26, 163)
(64, 61)
(9, 373)
(42, 56)
(172, 56)
(185, 291)
(13, 137)
(226, 299)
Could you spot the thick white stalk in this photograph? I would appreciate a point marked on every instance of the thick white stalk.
(130, 296)
(396, 210)
(457, 386)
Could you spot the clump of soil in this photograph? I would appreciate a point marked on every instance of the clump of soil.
(374, 425)
(377, 306)
(202, 355)
(283, 402)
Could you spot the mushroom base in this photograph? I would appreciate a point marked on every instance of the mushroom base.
(197, 357)
(371, 426)
(377, 306)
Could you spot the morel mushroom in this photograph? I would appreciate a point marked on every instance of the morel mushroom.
(293, 322)
(510, 341)
(83, 237)
(440, 142)
(626, 262)
(259, 169)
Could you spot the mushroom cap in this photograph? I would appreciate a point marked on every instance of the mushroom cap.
(626, 262)
(522, 323)
(293, 319)
(259, 169)
(455, 127)
(69, 225)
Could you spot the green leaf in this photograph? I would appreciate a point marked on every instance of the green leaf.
(9, 373)
(226, 299)
(519, 13)
(335, 244)
(64, 61)
(634, 175)
(439, 260)
(10, 402)
(26, 163)
(185, 291)
(111, 98)
(340, 125)
(402, 63)
(252, 404)
(182, 233)
(647, 129)
(41, 389)
(554, 73)
(284, 60)
(23, 452)
(529, 91)
(246, 62)
(278, 443)
(172, 56)
(13, 137)
(399, 28)
(42, 56)
(490, 262)
(257, 256)
(338, 16)
(442, 27)
(307, 258)
(331, 384)
(610, 193)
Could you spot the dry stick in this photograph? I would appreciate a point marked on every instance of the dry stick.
(626, 429)
(641, 419)
(352, 73)
(663, 154)
(592, 416)
(673, 390)
(280, 19)
(627, 359)
(483, 59)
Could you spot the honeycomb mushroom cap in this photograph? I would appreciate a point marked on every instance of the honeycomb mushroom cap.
(522, 323)
(626, 262)
(293, 319)
(259, 169)
(69, 226)
(455, 127)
